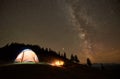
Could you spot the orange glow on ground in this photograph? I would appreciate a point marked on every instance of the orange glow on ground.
(57, 63)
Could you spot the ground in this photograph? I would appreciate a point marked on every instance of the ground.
(42, 71)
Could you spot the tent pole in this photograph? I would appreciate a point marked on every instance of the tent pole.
(22, 57)
(34, 59)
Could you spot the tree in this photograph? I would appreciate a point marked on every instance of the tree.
(64, 55)
(89, 63)
(59, 53)
(76, 59)
(72, 57)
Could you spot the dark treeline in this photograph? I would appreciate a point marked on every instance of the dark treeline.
(9, 53)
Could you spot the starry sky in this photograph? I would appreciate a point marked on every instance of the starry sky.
(88, 28)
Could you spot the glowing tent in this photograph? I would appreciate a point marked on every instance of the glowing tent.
(27, 55)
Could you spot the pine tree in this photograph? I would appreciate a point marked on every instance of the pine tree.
(76, 59)
(72, 58)
(59, 54)
(64, 55)
(89, 63)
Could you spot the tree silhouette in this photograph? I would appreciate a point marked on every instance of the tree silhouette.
(72, 58)
(89, 63)
(11, 51)
(59, 53)
(76, 59)
(64, 55)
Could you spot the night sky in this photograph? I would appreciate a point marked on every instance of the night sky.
(88, 28)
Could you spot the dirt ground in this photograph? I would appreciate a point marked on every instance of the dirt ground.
(37, 71)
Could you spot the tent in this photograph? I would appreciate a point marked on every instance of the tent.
(27, 55)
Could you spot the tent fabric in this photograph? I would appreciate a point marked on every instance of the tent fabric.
(27, 55)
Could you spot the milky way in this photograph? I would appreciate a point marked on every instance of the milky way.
(88, 28)
(77, 14)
